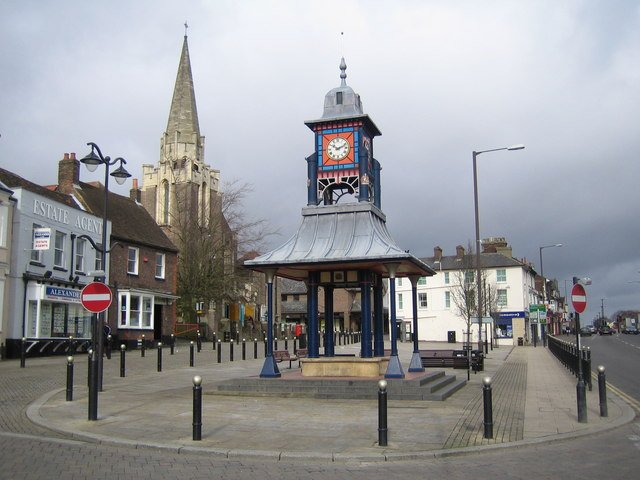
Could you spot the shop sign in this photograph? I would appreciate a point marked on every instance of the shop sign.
(62, 294)
(41, 238)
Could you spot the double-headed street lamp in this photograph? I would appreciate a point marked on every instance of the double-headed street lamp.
(478, 246)
(544, 281)
(92, 161)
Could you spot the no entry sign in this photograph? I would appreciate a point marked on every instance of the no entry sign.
(96, 297)
(578, 298)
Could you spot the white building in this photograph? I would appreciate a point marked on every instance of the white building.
(511, 281)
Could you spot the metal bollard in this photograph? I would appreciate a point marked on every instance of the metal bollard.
(142, 348)
(191, 354)
(173, 343)
(69, 378)
(109, 346)
(23, 352)
(286, 343)
(488, 408)
(89, 370)
(382, 413)
(199, 341)
(244, 349)
(255, 348)
(265, 347)
(275, 343)
(197, 407)
(602, 390)
(214, 341)
(219, 351)
(231, 351)
(159, 356)
(123, 348)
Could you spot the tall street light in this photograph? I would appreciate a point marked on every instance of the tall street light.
(544, 281)
(92, 161)
(478, 246)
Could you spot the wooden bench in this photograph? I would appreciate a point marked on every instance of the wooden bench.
(444, 358)
(284, 355)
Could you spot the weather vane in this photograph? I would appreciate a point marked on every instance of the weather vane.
(185, 28)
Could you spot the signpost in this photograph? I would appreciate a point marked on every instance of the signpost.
(96, 297)
(578, 298)
(579, 302)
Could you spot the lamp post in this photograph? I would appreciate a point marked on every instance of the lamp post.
(92, 161)
(544, 281)
(475, 197)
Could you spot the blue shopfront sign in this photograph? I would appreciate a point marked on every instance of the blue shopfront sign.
(62, 294)
(508, 315)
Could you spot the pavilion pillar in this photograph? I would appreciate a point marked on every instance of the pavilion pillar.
(329, 346)
(416, 361)
(365, 313)
(394, 369)
(270, 367)
(378, 318)
(312, 314)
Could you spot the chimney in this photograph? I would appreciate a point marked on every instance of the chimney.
(68, 173)
(460, 251)
(437, 254)
(134, 193)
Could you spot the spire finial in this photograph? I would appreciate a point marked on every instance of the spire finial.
(343, 73)
(185, 28)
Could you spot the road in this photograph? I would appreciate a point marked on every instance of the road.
(30, 452)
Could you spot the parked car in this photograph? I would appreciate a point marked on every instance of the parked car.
(605, 330)
(631, 330)
(585, 332)
(592, 328)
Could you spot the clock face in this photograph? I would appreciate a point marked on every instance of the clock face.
(338, 148)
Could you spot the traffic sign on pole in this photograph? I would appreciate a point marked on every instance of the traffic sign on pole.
(96, 297)
(578, 298)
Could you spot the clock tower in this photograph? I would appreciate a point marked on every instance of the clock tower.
(343, 162)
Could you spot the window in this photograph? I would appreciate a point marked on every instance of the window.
(58, 253)
(132, 261)
(501, 275)
(98, 263)
(81, 243)
(400, 303)
(36, 255)
(469, 276)
(422, 281)
(159, 265)
(501, 300)
(339, 98)
(136, 311)
(447, 299)
(399, 279)
(165, 202)
(296, 297)
(422, 299)
(4, 224)
(446, 278)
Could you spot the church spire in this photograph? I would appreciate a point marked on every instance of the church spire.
(183, 116)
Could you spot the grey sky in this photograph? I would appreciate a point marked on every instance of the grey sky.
(440, 79)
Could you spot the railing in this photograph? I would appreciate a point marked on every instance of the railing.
(569, 356)
(184, 329)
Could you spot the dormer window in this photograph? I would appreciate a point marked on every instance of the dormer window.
(338, 98)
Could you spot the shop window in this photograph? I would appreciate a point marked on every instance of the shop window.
(136, 311)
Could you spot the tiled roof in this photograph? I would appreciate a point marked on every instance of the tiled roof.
(13, 181)
(487, 260)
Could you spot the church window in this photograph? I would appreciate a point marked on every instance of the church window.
(165, 202)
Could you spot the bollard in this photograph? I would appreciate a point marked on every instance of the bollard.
(215, 337)
(92, 413)
(295, 346)
(286, 343)
(109, 346)
(244, 349)
(265, 346)
(71, 348)
(173, 343)
(231, 351)
(123, 347)
(142, 348)
(159, 356)
(488, 408)
(219, 351)
(199, 341)
(197, 407)
(602, 390)
(69, 378)
(191, 357)
(382, 413)
(275, 343)
(23, 352)
(89, 371)
(255, 348)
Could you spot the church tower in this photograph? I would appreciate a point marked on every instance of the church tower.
(181, 186)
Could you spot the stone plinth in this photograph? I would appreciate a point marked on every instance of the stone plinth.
(344, 367)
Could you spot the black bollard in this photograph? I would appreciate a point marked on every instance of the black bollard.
(93, 392)
(214, 341)
(219, 351)
(191, 354)
(244, 349)
(255, 348)
(286, 343)
(123, 348)
(231, 351)
(89, 370)
(295, 346)
(602, 390)
(109, 346)
(488, 408)
(197, 407)
(143, 347)
(199, 341)
(265, 347)
(275, 343)
(382, 413)
(23, 352)
(173, 343)
(159, 356)
(69, 378)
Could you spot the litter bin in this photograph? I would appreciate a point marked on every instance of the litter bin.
(520, 341)
(451, 336)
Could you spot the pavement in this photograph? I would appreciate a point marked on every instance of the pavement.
(534, 401)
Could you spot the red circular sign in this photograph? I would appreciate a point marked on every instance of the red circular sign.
(96, 297)
(578, 298)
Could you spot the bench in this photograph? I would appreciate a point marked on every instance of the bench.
(284, 355)
(452, 359)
